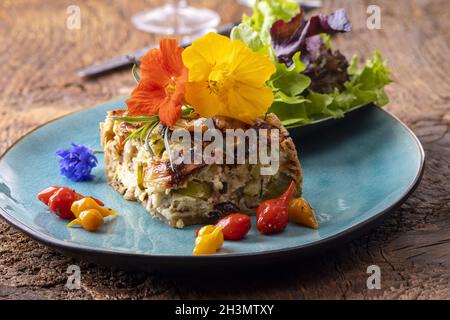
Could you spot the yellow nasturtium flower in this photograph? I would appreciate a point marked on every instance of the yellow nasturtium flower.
(227, 78)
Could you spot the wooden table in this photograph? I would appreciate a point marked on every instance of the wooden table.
(39, 57)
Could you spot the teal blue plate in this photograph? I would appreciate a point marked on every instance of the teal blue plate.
(355, 170)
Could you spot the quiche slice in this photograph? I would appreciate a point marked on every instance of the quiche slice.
(187, 194)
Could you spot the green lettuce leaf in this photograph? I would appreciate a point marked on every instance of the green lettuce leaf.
(295, 102)
(250, 37)
(288, 80)
(291, 115)
(266, 12)
(366, 85)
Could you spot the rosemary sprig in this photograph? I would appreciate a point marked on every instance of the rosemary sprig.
(136, 133)
(167, 146)
(185, 111)
(135, 73)
(147, 145)
(144, 132)
(135, 119)
(149, 124)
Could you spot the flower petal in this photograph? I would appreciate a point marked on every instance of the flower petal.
(145, 99)
(248, 66)
(162, 86)
(207, 104)
(170, 111)
(203, 54)
(152, 68)
(77, 162)
(227, 78)
(247, 103)
(171, 56)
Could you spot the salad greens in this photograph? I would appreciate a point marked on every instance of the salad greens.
(312, 81)
(303, 35)
(266, 13)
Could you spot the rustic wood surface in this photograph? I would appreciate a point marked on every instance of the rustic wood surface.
(39, 57)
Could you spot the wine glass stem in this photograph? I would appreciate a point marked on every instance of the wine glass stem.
(177, 4)
(182, 3)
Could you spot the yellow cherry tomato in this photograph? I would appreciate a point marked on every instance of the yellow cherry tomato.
(89, 203)
(301, 212)
(90, 220)
(209, 240)
(206, 230)
(204, 245)
(215, 231)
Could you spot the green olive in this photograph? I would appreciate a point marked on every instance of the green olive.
(276, 187)
(196, 190)
(252, 188)
(140, 176)
(158, 147)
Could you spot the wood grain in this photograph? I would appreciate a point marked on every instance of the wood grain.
(39, 57)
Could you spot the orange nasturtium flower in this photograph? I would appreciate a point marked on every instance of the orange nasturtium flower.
(162, 86)
(227, 78)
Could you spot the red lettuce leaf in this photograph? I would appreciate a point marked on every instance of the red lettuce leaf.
(327, 71)
(299, 34)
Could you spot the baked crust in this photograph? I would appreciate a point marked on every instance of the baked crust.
(162, 189)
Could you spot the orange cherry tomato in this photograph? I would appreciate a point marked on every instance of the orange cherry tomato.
(301, 212)
(90, 220)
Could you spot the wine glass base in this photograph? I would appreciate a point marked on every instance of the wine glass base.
(173, 20)
(306, 4)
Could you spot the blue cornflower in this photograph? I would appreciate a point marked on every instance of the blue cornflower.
(77, 162)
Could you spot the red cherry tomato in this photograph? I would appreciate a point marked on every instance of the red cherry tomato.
(235, 226)
(272, 215)
(44, 195)
(61, 201)
(272, 221)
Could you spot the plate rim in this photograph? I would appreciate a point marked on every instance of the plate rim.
(88, 252)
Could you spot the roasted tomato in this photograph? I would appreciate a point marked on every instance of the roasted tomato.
(61, 201)
(90, 220)
(44, 195)
(272, 215)
(235, 226)
(209, 240)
